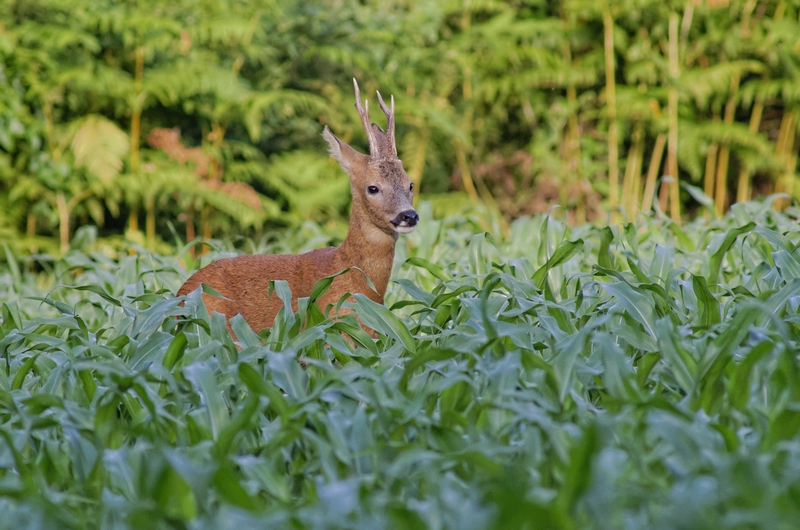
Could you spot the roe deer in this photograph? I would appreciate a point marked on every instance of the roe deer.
(381, 210)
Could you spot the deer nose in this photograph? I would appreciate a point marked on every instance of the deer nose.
(407, 218)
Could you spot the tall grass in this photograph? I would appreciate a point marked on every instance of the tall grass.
(639, 376)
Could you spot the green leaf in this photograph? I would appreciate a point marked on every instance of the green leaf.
(718, 355)
(204, 383)
(564, 252)
(715, 263)
(240, 421)
(636, 304)
(426, 356)
(378, 317)
(578, 474)
(663, 263)
(437, 270)
(675, 355)
(739, 384)
(100, 146)
(175, 350)
(175, 496)
(227, 485)
(604, 257)
(22, 372)
(709, 307)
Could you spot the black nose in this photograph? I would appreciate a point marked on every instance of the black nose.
(409, 217)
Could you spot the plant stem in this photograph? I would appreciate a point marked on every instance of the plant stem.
(633, 171)
(205, 223)
(711, 170)
(415, 171)
(784, 150)
(190, 232)
(743, 192)
(466, 88)
(150, 221)
(63, 220)
(136, 118)
(64, 208)
(611, 103)
(720, 194)
(572, 147)
(652, 172)
(466, 177)
(30, 229)
(672, 143)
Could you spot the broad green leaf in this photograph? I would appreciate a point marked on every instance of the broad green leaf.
(175, 350)
(709, 308)
(437, 270)
(739, 383)
(477, 260)
(787, 264)
(99, 291)
(662, 264)
(715, 262)
(426, 356)
(239, 422)
(204, 383)
(227, 485)
(675, 355)
(22, 372)
(719, 354)
(175, 496)
(636, 304)
(379, 318)
(578, 474)
(563, 253)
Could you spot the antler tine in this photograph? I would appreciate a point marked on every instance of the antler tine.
(363, 113)
(390, 124)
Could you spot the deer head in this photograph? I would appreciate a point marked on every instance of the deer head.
(382, 191)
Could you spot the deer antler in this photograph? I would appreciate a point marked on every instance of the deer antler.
(390, 126)
(363, 113)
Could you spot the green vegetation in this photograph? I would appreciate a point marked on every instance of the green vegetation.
(520, 104)
(530, 371)
(639, 376)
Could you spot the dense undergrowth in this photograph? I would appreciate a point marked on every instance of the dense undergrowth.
(638, 376)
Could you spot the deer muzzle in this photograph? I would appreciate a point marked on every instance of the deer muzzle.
(406, 221)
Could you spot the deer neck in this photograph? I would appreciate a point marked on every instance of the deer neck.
(370, 249)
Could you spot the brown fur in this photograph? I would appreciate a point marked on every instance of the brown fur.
(369, 245)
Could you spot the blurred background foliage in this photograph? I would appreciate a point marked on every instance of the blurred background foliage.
(164, 121)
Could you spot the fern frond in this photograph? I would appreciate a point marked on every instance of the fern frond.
(633, 103)
(767, 89)
(458, 6)
(695, 137)
(99, 145)
(702, 84)
(184, 79)
(229, 31)
(309, 182)
(230, 205)
(735, 135)
(286, 102)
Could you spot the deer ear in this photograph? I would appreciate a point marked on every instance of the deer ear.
(346, 155)
(381, 140)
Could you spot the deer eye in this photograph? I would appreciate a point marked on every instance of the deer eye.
(372, 190)
(411, 188)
